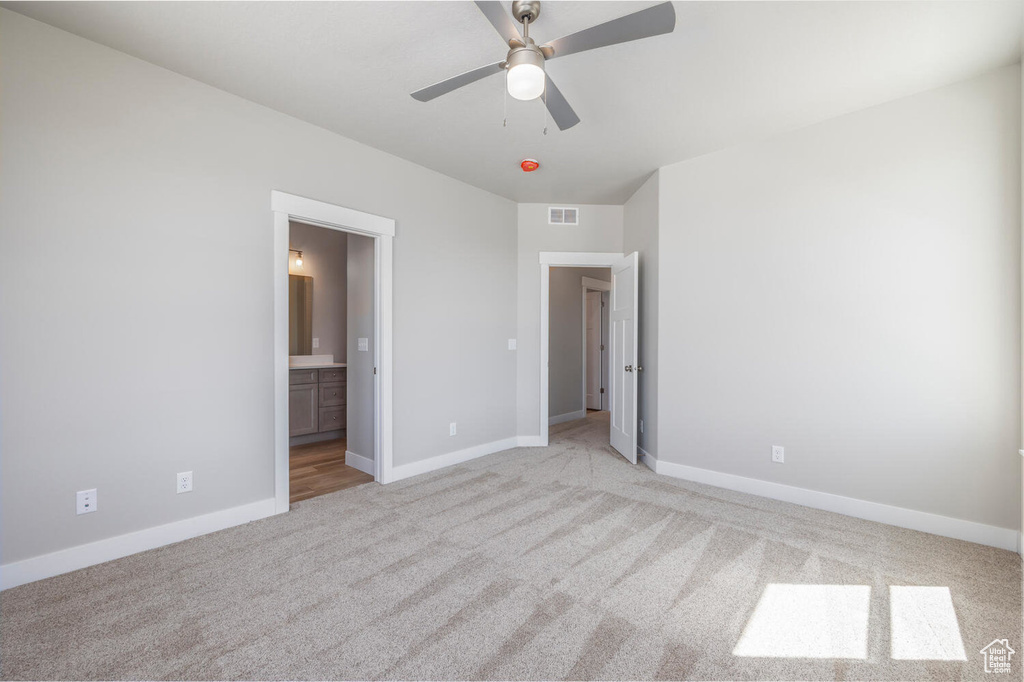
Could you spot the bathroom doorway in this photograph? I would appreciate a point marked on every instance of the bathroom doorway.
(332, 348)
(330, 332)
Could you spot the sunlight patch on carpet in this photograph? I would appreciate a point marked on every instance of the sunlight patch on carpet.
(924, 625)
(808, 621)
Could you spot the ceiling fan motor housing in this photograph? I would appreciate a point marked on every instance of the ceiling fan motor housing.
(526, 10)
(528, 54)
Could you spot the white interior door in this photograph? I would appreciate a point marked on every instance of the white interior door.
(624, 307)
(592, 349)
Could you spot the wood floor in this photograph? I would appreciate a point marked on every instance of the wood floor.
(319, 468)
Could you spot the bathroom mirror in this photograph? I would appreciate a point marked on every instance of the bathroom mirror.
(300, 315)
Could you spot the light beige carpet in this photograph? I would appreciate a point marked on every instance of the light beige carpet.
(556, 563)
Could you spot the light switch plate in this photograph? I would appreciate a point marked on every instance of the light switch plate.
(511, 344)
(364, 344)
(86, 501)
(316, 342)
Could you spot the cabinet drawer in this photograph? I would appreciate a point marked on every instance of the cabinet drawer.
(302, 376)
(332, 418)
(331, 375)
(332, 395)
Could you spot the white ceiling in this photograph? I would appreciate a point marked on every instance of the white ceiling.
(731, 72)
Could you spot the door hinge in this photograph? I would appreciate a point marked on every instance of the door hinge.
(602, 390)
(374, 370)
(602, 304)
(602, 346)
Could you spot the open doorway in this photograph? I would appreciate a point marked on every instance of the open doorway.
(332, 379)
(330, 389)
(577, 349)
(621, 310)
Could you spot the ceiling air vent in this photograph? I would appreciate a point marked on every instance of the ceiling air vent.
(563, 216)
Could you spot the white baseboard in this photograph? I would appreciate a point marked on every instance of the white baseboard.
(993, 536)
(452, 458)
(647, 459)
(71, 559)
(530, 442)
(567, 417)
(364, 464)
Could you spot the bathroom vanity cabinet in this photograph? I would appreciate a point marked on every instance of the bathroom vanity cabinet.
(316, 400)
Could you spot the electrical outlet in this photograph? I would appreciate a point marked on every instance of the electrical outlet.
(778, 454)
(511, 344)
(86, 501)
(451, 429)
(184, 482)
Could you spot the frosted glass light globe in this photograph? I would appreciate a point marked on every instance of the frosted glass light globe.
(526, 81)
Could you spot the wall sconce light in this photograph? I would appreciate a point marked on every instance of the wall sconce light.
(298, 259)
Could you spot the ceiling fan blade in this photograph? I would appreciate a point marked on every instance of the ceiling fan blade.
(500, 19)
(558, 106)
(455, 82)
(653, 21)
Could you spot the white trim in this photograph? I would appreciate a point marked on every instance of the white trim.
(384, 417)
(330, 214)
(364, 464)
(452, 458)
(567, 417)
(596, 284)
(549, 259)
(287, 207)
(583, 354)
(281, 362)
(108, 549)
(579, 259)
(983, 534)
(529, 442)
(545, 323)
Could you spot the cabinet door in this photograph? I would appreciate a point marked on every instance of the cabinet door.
(303, 409)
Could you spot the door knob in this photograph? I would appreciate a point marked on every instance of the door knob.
(639, 368)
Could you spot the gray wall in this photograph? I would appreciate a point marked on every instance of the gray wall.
(565, 337)
(325, 259)
(360, 363)
(136, 290)
(640, 234)
(600, 230)
(852, 291)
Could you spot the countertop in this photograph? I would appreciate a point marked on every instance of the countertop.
(322, 365)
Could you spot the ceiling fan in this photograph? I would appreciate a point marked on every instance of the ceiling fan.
(524, 62)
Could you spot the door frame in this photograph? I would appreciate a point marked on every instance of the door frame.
(560, 259)
(288, 207)
(591, 284)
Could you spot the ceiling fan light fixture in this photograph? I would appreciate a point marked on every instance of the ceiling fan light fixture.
(525, 80)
